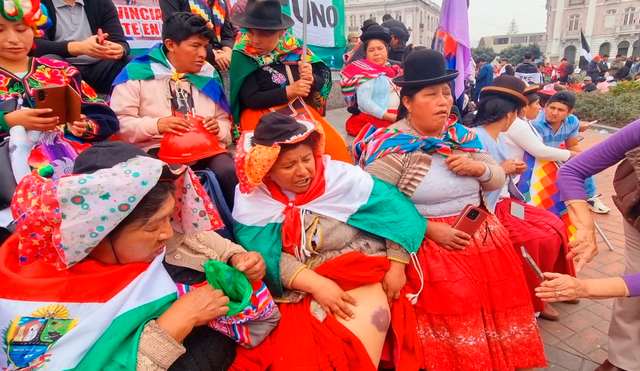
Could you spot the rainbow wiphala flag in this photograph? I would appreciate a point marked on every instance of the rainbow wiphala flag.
(538, 186)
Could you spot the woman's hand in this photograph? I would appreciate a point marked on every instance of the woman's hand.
(306, 72)
(509, 166)
(195, 308)
(394, 280)
(300, 88)
(446, 236)
(583, 248)
(31, 120)
(521, 167)
(223, 59)
(561, 287)
(464, 165)
(211, 124)
(78, 128)
(333, 299)
(251, 264)
(390, 117)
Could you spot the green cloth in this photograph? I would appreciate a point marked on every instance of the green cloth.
(232, 282)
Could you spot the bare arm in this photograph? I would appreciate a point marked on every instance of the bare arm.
(562, 287)
(573, 144)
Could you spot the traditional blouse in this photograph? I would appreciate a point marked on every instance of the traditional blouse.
(101, 120)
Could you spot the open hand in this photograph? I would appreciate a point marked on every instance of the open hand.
(561, 287)
(334, 300)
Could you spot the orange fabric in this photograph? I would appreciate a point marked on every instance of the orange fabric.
(335, 145)
(302, 343)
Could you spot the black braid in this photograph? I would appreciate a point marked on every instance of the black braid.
(492, 109)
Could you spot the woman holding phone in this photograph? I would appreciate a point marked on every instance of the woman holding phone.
(474, 295)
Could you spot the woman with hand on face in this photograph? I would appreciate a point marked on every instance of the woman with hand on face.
(336, 242)
(366, 83)
(268, 73)
(475, 295)
(541, 233)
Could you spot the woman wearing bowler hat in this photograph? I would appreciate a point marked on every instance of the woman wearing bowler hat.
(366, 84)
(473, 311)
(267, 73)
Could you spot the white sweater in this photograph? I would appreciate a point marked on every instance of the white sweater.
(522, 138)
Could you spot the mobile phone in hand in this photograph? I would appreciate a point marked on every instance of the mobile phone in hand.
(532, 264)
(100, 37)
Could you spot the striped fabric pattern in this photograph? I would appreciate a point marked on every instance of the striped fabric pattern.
(359, 72)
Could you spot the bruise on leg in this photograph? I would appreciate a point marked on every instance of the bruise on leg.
(380, 319)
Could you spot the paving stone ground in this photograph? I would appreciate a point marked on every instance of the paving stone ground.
(578, 341)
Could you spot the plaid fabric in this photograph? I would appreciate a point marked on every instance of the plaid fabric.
(538, 186)
(569, 129)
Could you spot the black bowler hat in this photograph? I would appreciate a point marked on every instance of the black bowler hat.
(263, 15)
(509, 87)
(376, 32)
(424, 68)
(368, 23)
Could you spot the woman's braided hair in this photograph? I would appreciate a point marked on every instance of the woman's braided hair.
(492, 109)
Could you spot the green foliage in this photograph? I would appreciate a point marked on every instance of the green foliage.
(616, 108)
(631, 87)
(485, 52)
(515, 53)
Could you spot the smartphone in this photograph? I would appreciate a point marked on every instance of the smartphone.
(100, 37)
(532, 264)
(470, 219)
(64, 102)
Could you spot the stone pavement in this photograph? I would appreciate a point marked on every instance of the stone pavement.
(578, 341)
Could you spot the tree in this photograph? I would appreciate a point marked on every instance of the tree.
(513, 28)
(485, 52)
(515, 53)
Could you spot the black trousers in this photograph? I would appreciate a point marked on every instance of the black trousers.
(100, 75)
(223, 166)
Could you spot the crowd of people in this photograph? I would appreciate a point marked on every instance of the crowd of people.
(295, 252)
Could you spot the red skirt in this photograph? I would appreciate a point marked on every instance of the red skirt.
(474, 312)
(302, 343)
(544, 235)
(355, 123)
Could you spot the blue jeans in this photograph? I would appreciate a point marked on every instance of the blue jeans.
(590, 186)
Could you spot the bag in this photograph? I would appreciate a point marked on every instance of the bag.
(212, 187)
(252, 312)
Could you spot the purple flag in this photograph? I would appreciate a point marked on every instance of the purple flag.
(452, 39)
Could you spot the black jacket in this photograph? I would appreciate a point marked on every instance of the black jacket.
(100, 13)
(396, 23)
(227, 33)
(397, 53)
(589, 88)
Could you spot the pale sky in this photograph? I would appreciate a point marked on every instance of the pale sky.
(493, 17)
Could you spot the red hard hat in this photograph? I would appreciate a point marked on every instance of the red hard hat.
(191, 146)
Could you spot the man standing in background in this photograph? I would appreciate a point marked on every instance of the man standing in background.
(389, 22)
(528, 71)
(484, 77)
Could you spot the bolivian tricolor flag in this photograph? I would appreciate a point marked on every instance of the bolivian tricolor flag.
(88, 317)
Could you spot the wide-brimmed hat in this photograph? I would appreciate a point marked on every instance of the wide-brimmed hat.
(425, 68)
(376, 32)
(263, 15)
(368, 23)
(509, 87)
(258, 150)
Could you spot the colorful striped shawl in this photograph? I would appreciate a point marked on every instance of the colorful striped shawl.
(246, 60)
(359, 72)
(372, 144)
(215, 16)
(153, 65)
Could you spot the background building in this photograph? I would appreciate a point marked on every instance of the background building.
(501, 42)
(610, 26)
(421, 17)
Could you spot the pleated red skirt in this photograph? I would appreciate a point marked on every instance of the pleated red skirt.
(355, 123)
(474, 313)
(545, 238)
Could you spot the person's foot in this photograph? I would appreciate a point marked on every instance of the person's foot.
(607, 366)
(550, 313)
(596, 205)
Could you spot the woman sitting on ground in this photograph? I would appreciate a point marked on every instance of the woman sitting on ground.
(372, 97)
(94, 243)
(542, 234)
(204, 348)
(475, 295)
(21, 75)
(335, 254)
(268, 74)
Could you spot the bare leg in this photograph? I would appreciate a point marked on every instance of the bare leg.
(372, 319)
